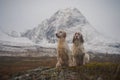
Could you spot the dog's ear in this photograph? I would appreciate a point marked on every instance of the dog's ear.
(57, 35)
(81, 39)
(64, 35)
(73, 39)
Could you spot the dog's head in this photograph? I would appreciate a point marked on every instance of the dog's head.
(61, 34)
(78, 37)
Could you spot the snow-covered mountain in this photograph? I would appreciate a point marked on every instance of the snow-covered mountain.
(21, 46)
(14, 34)
(62, 19)
(71, 20)
(7, 42)
(42, 39)
(4, 37)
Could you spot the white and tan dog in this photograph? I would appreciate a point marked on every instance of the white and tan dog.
(80, 57)
(63, 51)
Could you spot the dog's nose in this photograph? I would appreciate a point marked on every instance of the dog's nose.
(77, 36)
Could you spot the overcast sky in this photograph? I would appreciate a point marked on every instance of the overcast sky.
(20, 15)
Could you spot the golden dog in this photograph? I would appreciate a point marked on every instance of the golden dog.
(63, 51)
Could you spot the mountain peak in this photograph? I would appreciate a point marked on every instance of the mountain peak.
(66, 18)
(74, 12)
(71, 20)
(63, 19)
(69, 10)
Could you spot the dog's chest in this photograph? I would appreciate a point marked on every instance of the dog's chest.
(78, 50)
(62, 46)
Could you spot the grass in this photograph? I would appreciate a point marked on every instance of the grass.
(93, 70)
(12, 65)
(108, 69)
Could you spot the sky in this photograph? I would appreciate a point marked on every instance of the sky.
(20, 15)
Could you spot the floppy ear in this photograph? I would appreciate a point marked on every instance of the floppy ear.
(64, 35)
(81, 39)
(73, 39)
(57, 35)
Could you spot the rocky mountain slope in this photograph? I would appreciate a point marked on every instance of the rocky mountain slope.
(22, 46)
(42, 38)
(71, 21)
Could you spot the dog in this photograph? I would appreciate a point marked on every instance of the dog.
(63, 51)
(80, 57)
(86, 59)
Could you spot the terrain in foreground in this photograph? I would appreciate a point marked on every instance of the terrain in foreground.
(101, 67)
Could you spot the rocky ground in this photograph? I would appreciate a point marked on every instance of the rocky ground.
(93, 71)
(101, 67)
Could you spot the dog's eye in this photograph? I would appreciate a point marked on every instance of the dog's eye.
(60, 31)
(75, 33)
(78, 33)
